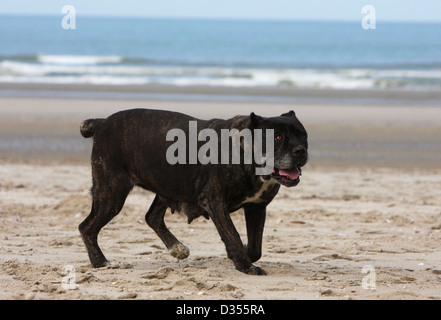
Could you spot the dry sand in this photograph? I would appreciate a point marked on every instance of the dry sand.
(369, 200)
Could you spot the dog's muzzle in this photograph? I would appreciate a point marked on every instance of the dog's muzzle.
(290, 177)
(287, 177)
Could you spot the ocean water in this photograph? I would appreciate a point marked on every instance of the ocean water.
(118, 51)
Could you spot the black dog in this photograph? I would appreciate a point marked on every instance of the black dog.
(130, 149)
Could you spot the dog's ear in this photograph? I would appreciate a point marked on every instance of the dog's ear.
(255, 119)
(289, 114)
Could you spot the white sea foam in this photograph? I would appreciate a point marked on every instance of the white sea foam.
(77, 60)
(114, 70)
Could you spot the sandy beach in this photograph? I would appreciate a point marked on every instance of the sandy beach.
(364, 222)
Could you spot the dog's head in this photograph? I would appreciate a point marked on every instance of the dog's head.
(290, 146)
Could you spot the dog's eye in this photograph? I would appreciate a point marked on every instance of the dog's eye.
(278, 137)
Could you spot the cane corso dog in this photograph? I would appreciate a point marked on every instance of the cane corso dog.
(130, 149)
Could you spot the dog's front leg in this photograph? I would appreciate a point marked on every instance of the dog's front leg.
(255, 219)
(232, 241)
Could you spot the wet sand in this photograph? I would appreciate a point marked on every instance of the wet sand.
(369, 200)
(383, 135)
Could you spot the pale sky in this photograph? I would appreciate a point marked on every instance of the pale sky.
(386, 10)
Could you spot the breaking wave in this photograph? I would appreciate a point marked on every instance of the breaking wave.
(119, 70)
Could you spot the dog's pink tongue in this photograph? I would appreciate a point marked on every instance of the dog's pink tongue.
(292, 174)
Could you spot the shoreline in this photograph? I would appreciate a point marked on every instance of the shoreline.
(223, 94)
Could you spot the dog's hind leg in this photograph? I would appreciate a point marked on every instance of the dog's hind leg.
(108, 199)
(155, 219)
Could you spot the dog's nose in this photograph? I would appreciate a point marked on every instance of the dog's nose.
(299, 151)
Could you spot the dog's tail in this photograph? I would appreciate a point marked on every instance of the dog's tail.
(89, 126)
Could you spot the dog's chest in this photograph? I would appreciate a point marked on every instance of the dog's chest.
(257, 197)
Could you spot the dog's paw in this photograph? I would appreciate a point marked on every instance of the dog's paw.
(179, 251)
(255, 271)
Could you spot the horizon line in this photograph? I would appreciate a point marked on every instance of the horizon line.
(269, 19)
